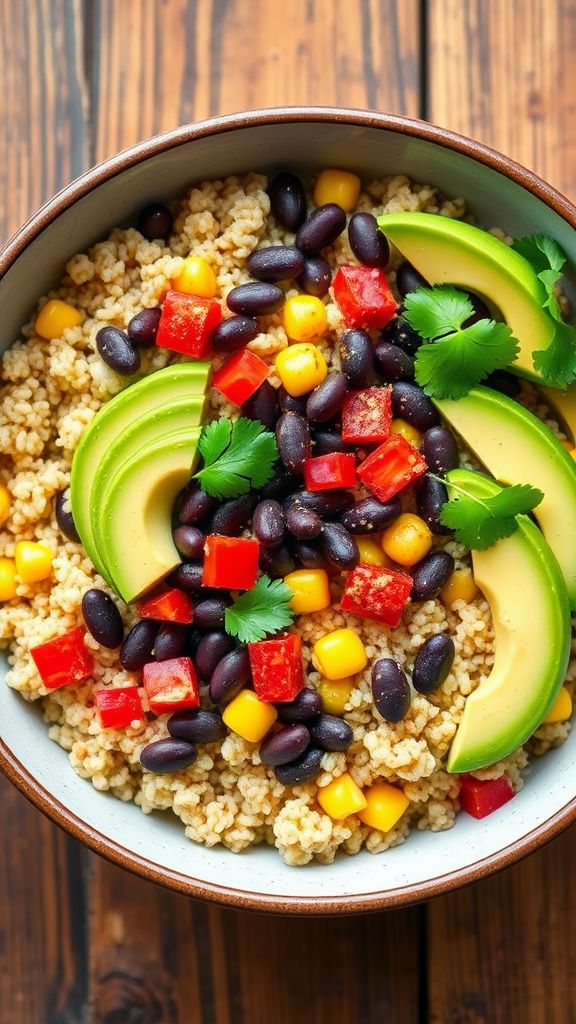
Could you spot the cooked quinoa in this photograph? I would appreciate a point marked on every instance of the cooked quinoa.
(51, 392)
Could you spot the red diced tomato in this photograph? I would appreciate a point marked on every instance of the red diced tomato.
(187, 323)
(328, 472)
(374, 592)
(171, 685)
(120, 707)
(171, 605)
(367, 415)
(277, 668)
(64, 660)
(364, 296)
(240, 376)
(230, 562)
(479, 797)
(393, 466)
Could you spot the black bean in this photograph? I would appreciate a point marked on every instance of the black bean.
(143, 327)
(276, 263)
(193, 638)
(187, 576)
(306, 705)
(211, 649)
(399, 333)
(257, 298)
(276, 562)
(155, 221)
(303, 769)
(338, 546)
(290, 403)
(431, 496)
(440, 450)
(288, 200)
(367, 242)
(293, 440)
(308, 554)
(197, 725)
(209, 613)
(171, 641)
(268, 523)
(285, 746)
(63, 513)
(232, 516)
(370, 515)
(283, 482)
(392, 363)
(411, 404)
(356, 357)
(230, 675)
(102, 618)
(504, 382)
(325, 442)
(321, 228)
(194, 505)
(189, 541)
(233, 333)
(116, 350)
(303, 523)
(433, 663)
(316, 277)
(431, 574)
(168, 755)
(408, 279)
(481, 311)
(390, 689)
(326, 504)
(138, 646)
(325, 400)
(331, 733)
(263, 406)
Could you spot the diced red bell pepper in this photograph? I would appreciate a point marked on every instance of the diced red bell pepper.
(64, 660)
(171, 685)
(187, 323)
(230, 562)
(367, 415)
(374, 592)
(172, 605)
(479, 797)
(240, 376)
(328, 472)
(277, 668)
(119, 707)
(364, 296)
(393, 466)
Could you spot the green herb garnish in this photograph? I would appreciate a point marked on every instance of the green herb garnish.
(459, 357)
(237, 455)
(259, 612)
(480, 522)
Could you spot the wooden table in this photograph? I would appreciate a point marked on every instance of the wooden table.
(81, 941)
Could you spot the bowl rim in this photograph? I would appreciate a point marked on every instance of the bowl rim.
(19, 775)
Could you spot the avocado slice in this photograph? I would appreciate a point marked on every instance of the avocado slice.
(517, 448)
(181, 381)
(135, 535)
(522, 582)
(449, 251)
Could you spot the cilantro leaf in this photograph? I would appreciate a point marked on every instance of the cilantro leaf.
(434, 312)
(259, 612)
(542, 252)
(480, 522)
(237, 455)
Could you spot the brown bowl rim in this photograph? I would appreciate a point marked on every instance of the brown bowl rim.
(15, 770)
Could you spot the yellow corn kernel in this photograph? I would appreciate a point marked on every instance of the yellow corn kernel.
(33, 561)
(561, 708)
(55, 317)
(339, 654)
(370, 552)
(334, 186)
(196, 278)
(7, 579)
(304, 317)
(335, 695)
(250, 717)
(407, 540)
(310, 590)
(4, 504)
(407, 431)
(460, 586)
(301, 368)
(341, 797)
(385, 805)
(572, 453)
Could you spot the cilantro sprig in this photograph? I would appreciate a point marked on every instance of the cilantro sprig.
(480, 522)
(260, 612)
(237, 455)
(459, 357)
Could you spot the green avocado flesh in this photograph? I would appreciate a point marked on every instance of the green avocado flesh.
(447, 251)
(517, 448)
(522, 582)
(183, 381)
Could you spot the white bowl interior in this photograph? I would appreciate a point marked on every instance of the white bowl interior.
(160, 838)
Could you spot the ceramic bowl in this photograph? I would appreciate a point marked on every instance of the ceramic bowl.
(497, 191)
